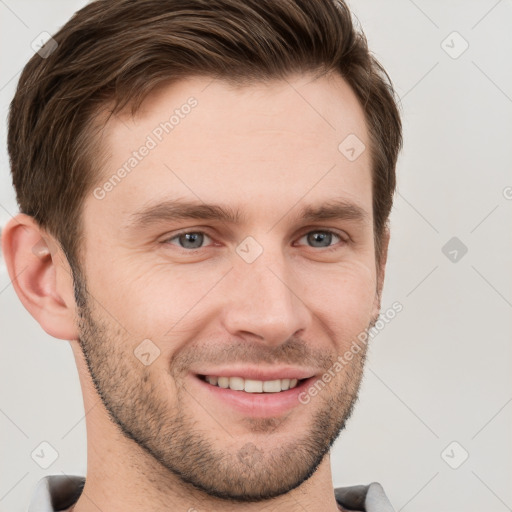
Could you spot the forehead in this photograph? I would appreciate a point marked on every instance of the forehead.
(259, 145)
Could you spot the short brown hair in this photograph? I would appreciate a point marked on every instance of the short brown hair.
(115, 52)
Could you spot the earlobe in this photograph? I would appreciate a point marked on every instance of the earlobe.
(40, 276)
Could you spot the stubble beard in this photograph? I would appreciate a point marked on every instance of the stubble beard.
(237, 472)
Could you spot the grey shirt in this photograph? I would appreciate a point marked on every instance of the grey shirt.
(55, 493)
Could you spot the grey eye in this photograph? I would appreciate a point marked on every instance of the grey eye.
(189, 240)
(320, 239)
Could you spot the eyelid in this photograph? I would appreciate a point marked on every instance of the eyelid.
(184, 232)
(344, 237)
(342, 234)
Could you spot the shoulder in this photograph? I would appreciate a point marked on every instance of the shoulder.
(56, 492)
(364, 498)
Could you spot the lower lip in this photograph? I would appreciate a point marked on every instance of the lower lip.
(260, 405)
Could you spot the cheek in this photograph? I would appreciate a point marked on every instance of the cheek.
(342, 296)
(157, 299)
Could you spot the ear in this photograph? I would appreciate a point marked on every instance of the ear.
(40, 275)
(381, 271)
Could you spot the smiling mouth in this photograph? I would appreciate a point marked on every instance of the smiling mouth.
(250, 385)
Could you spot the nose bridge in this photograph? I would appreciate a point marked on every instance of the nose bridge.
(263, 297)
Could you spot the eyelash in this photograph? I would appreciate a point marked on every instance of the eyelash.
(325, 249)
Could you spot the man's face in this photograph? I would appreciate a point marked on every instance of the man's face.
(171, 299)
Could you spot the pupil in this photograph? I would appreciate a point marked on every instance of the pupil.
(192, 237)
(320, 236)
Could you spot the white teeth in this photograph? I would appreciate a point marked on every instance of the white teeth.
(236, 383)
(272, 386)
(223, 382)
(250, 385)
(253, 386)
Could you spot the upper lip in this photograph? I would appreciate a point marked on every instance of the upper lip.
(260, 373)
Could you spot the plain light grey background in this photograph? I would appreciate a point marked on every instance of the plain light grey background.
(437, 387)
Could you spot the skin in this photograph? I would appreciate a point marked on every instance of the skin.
(156, 440)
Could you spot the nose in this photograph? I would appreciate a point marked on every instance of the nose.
(264, 299)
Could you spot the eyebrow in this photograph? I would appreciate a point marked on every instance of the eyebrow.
(337, 209)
